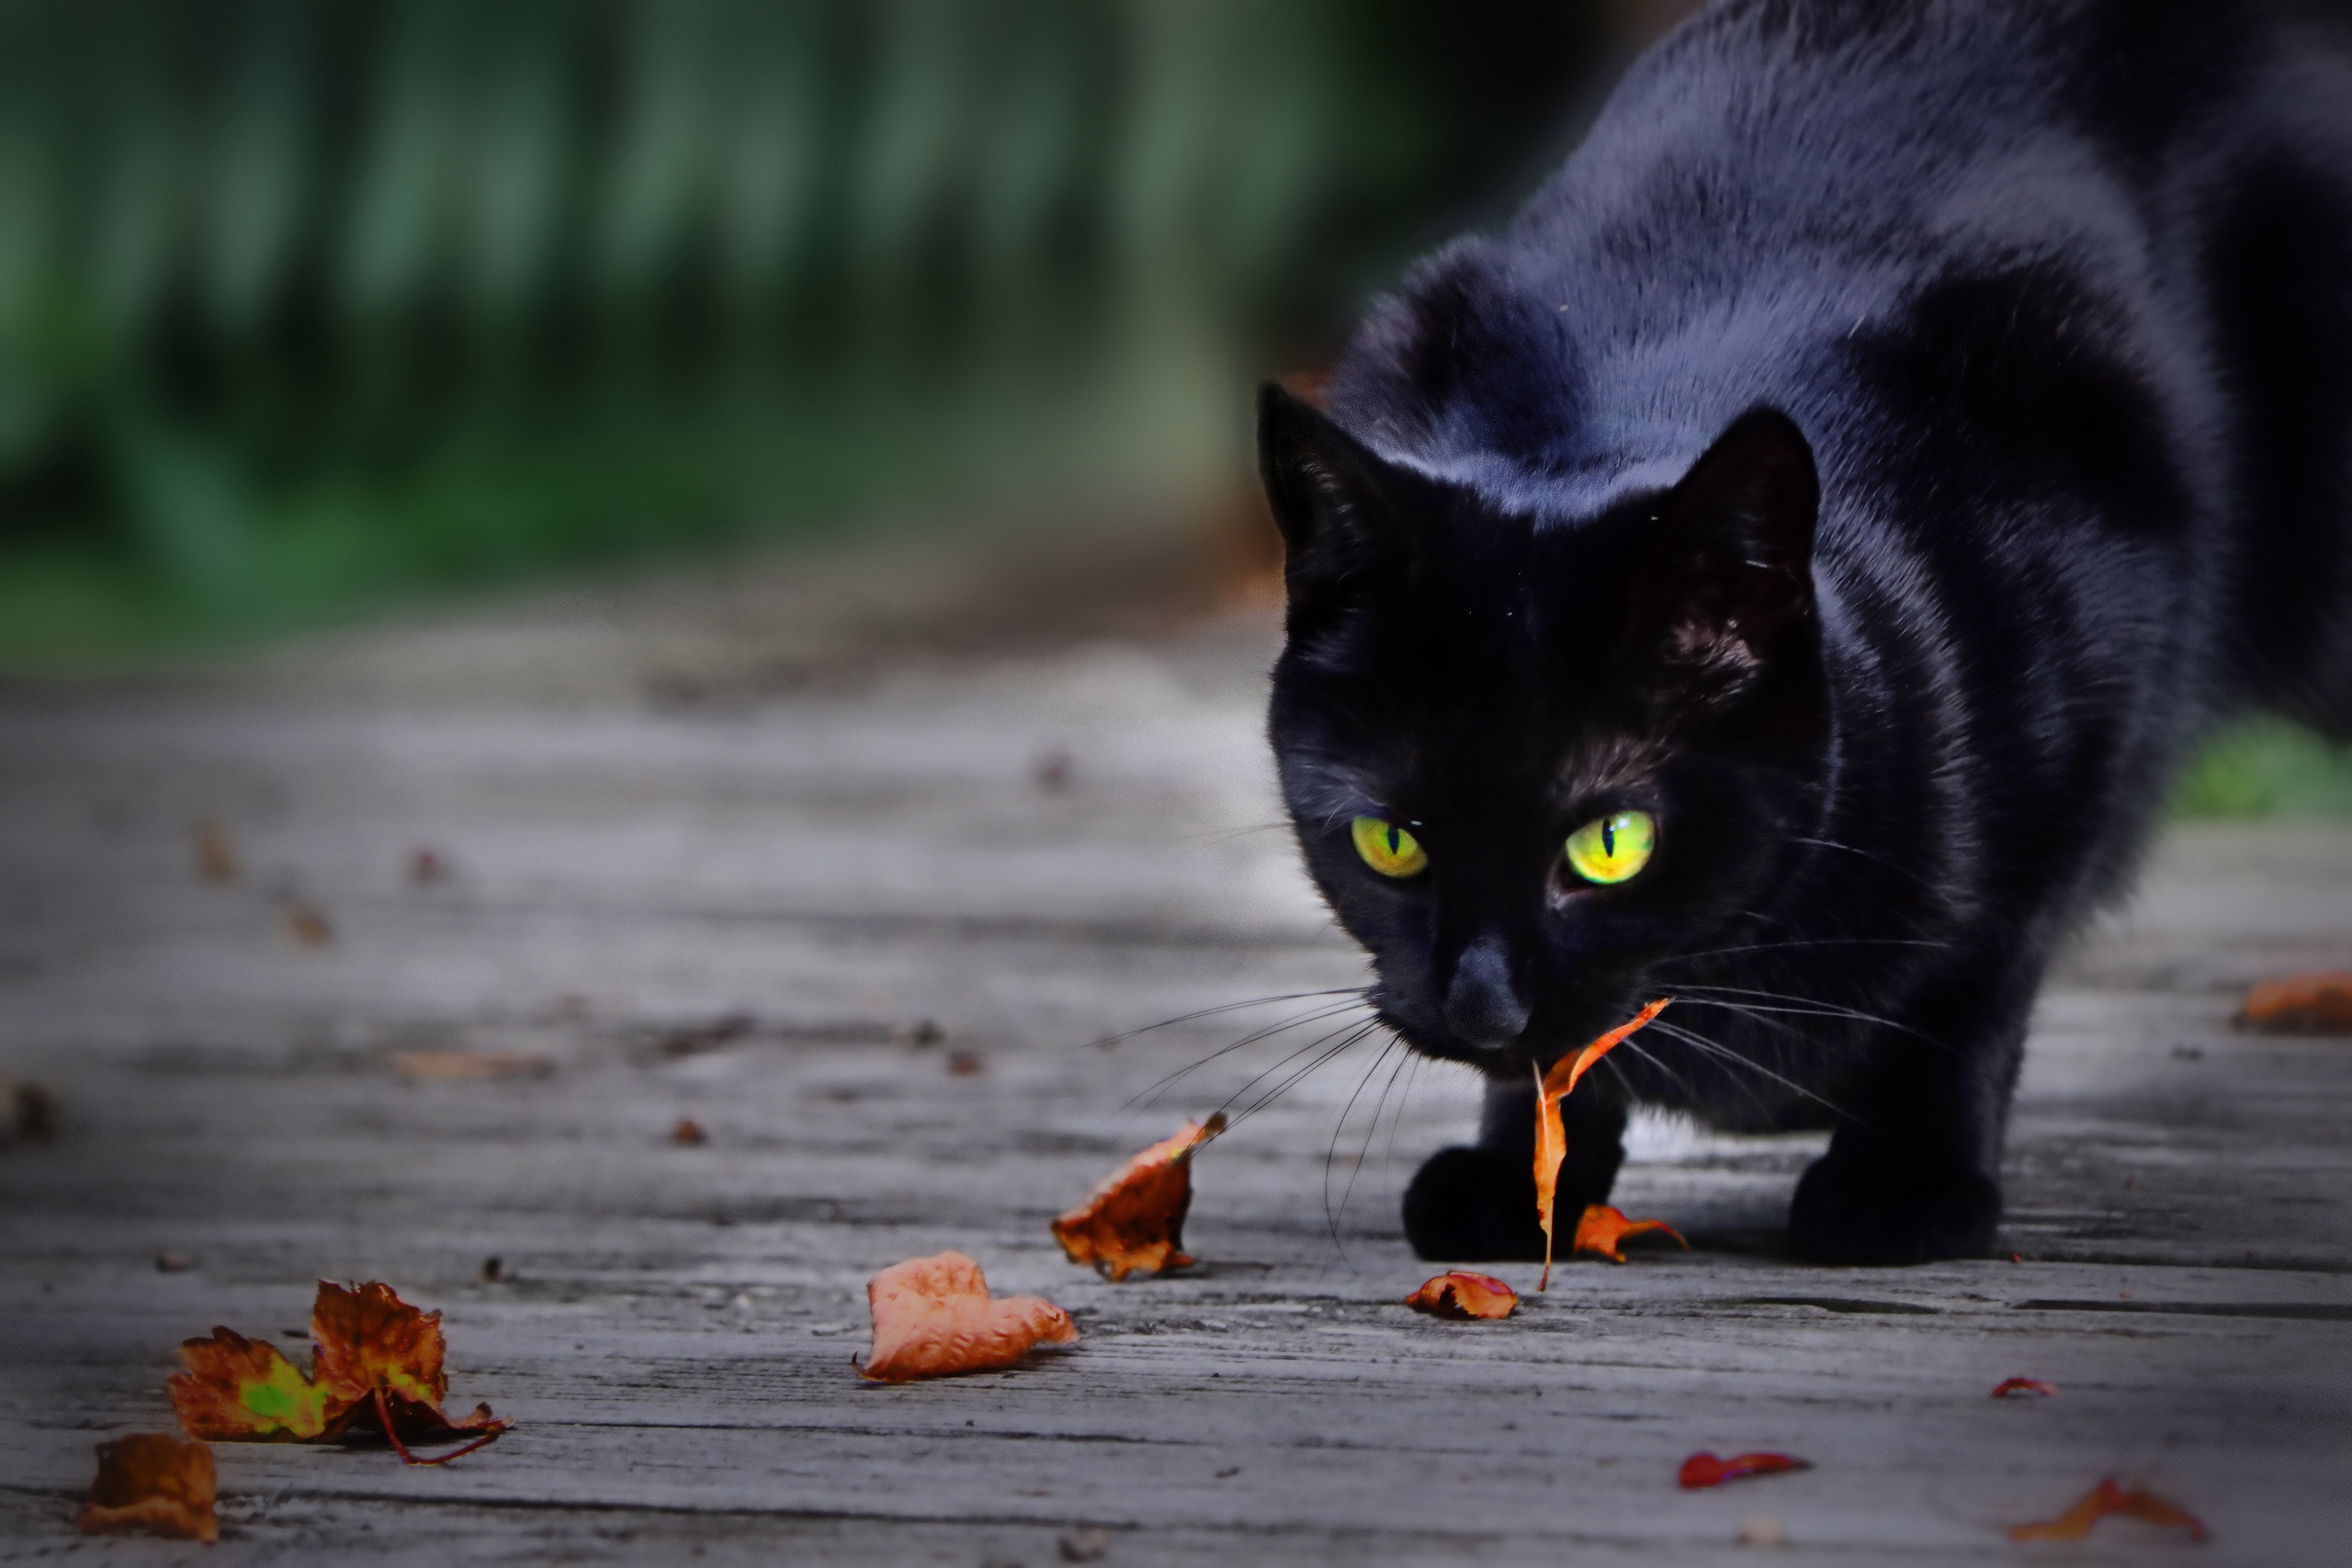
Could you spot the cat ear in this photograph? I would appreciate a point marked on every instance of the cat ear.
(1734, 571)
(1335, 502)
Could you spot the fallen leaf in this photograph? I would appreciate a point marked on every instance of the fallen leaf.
(2107, 1498)
(1601, 1228)
(377, 1367)
(1459, 1295)
(2009, 1386)
(965, 1063)
(153, 1482)
(1551, 1135)
(934, 1316)
(304, 925)
(1702, 1470)
(213, 850)
(2301, 1004)
(170, 1262)
(1134, 1220)
(469, 1067)
(689, 1133)
(426, 865)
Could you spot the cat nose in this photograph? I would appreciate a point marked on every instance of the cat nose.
(1482, 1007)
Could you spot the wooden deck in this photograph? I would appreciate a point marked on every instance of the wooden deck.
(743, 911)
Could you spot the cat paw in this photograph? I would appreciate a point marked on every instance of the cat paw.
(1471, 1205)
(1862, 1211)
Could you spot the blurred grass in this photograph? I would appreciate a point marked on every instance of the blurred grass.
(2267, 767)
(310, 306)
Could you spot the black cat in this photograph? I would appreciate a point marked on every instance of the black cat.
(1782, 570)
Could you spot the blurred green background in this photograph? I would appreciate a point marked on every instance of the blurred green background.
(310, 308)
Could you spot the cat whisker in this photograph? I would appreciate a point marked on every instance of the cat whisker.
(1812, 1007)
(1150, 1094)
(1331, 1155)
(1724, 1053)
(1199, 1013)
(1865, 854)
(1355, 1037)
(1805, 941)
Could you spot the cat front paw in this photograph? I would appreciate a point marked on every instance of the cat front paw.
(1472, 1205)
(1857, 1210)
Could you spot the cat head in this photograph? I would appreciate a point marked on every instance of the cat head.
(1531, 759)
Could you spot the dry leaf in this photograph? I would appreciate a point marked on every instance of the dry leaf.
(304, 925)
(934, 1316)
(689, 1133)
(1701, 1470)
(1460, 1294)
(2009, 1386)
(2301, 1004)
(213, 849)
(2107, 1498)
(1550, 1136)
(1601, 1228)
(1135, 1219)
(426, 865)
(378, 1367)
(469, 1067)
(152, 1482)
(29, 1112)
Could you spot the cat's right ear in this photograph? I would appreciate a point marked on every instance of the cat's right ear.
(1335, 502)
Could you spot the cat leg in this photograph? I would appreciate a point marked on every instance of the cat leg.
(1476, 1204)
(1913, 1168)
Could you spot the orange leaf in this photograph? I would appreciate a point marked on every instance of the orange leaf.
(1551, 1135)
(934, 1316)
(1702, 1470)
(240, 1390)
(155, 1483)
(2301, 1004)
(2009, 1386)
(1135, 1219)
(1600, 1228)
(1463, 1295)
(2107, 1498)
(378, 1367)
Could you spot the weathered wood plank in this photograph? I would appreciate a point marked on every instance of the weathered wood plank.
(675, 1330)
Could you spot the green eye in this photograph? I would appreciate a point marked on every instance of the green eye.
(1612, 848)
(1386, 848)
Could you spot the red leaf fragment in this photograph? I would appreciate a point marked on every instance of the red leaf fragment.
(1551, 1135)
(934, 1318)
(2107, 1498)
(2035, 1386)
(152, 1482)
(2300, 1004)
(1459, 1295)
(1601, 1229)
(1703, 1470)
(1134, 1220)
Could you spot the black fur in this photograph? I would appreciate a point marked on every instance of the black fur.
(1885, 447)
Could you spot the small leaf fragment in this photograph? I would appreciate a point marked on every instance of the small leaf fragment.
(1134, 1220)
(245, 1390)
(1603, 1229)
(1551, 1134)
(1703, 1470)
(934, 1318)
(2107, 1498)
(2034, 1387)
(1460, 1294)
(152, 1482)
(2317, 1003)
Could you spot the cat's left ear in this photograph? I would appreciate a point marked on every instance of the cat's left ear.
(1733, 573)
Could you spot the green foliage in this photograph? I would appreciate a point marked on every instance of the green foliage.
(305, 305)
